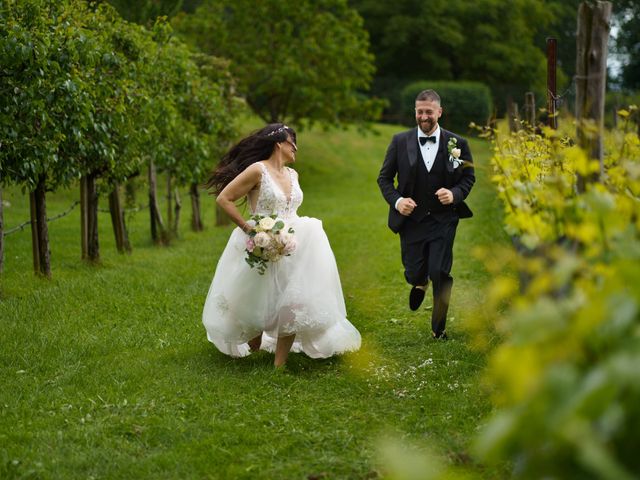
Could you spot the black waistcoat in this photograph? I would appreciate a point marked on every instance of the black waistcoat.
(427, 183)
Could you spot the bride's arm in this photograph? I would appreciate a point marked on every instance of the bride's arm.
(235, 190)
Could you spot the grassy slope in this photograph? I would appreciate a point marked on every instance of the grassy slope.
(106, 371)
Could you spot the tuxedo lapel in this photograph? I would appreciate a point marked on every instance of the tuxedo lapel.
(412, 148)
(443, 152)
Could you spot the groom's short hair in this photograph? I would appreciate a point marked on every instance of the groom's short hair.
(428, 96)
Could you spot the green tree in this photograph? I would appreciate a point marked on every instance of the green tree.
(43, 103)
(627, 14)
(498, 43)
(298, 61)
(87, 95)
(145, 12)
(192, 97)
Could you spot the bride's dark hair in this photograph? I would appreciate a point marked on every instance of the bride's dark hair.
(257, 146)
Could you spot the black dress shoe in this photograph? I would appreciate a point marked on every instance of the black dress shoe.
(416, 296)
(441, 336)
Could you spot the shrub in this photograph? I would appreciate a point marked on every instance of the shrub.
(565, 376)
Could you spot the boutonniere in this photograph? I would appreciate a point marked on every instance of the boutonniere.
(454, 152)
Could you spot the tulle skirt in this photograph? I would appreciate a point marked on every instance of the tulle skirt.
(300, 294)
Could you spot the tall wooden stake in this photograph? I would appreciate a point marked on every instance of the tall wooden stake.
(530, 109)
(591, 77)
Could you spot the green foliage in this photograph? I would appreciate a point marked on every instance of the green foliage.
(301, 62)
(565, 377)
(43, 100)
(462, 103)
(490, 41)
(146, 12)
(627, 43)
(614, 102)
(191, 105)
(85, 92)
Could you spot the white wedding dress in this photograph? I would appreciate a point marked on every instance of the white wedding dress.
(300, 294)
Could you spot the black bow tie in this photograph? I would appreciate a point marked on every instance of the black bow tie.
(424, 140)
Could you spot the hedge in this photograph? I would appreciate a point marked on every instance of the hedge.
(462, 103)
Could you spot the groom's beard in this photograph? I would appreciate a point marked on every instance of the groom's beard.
(427, 125)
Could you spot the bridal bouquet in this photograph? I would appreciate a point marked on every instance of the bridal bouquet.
(269, 240)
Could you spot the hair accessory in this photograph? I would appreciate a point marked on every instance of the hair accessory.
(278, 130)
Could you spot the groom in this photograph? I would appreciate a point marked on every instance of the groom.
(434, 171)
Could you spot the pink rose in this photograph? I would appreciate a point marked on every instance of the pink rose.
(250, 244)
(290, 247)
(288, 242)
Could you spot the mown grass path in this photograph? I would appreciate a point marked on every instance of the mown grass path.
(106, 371)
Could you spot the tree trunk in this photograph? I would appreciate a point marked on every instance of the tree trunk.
(117, 220)
(35, 243)
(93, 246)
(40, 231)
(158, 230)
(176, 211)
(84, 224)
(196, 217)
(1, 232)
(591, 76)
(169, 203)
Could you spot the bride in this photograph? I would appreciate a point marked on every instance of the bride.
(297, 304)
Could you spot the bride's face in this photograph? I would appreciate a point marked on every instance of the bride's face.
(289, 149)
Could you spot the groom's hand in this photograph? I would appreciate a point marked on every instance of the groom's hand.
(406, 206)
(445, 196)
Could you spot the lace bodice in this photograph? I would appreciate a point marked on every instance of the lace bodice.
(271, 199)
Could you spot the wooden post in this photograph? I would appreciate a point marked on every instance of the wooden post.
(530, 110)
(514, 116)
(552, 57)
(117, 221)
(591, 77)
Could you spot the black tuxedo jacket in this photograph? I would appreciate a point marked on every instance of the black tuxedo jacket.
(402, 160)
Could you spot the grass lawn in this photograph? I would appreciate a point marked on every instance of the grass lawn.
(106, 371)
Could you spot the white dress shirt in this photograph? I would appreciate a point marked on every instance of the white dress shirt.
(429, 151)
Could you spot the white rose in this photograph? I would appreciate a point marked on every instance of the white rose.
(455, 153)
(267, 223)
(261, 239)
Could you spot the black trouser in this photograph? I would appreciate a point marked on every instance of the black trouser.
(427, 253)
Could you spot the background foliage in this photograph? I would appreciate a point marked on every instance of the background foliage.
(564, 374)
(307, 62)
(462, 103)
